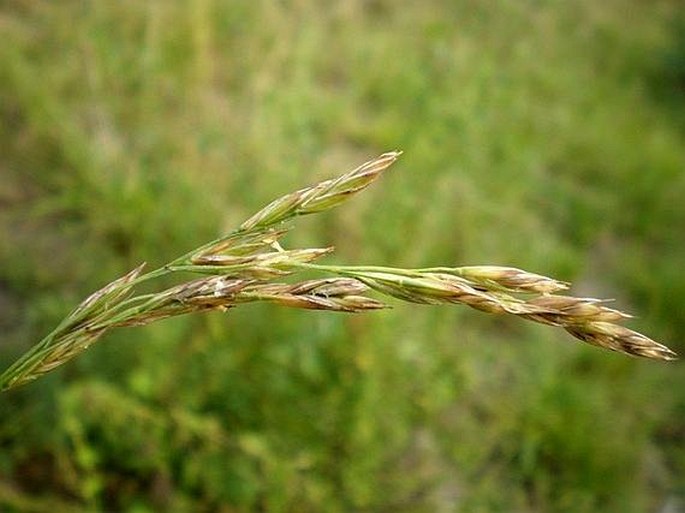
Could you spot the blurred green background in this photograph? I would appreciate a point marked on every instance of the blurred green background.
(541, 134)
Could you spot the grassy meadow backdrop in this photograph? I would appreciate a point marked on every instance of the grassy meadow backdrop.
(539, 134)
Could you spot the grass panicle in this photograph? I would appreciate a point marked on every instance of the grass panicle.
(242, 267)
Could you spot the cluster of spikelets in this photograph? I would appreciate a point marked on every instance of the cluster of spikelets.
(247, 265)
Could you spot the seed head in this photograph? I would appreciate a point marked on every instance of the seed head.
(619, 338)
(321, 196)
(510, 279)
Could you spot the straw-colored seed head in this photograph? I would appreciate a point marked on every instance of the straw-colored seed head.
(574, 309)
(334, 294)
(621, 339)
(510, 278)
(108, 294)
(322, 196)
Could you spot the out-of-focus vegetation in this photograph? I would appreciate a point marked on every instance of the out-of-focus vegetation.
(545, 135)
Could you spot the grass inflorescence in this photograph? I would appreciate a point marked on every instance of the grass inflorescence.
(249, 264)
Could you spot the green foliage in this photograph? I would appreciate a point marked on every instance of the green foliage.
(533, 137)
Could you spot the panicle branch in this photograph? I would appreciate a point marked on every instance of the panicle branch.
(587, 319)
